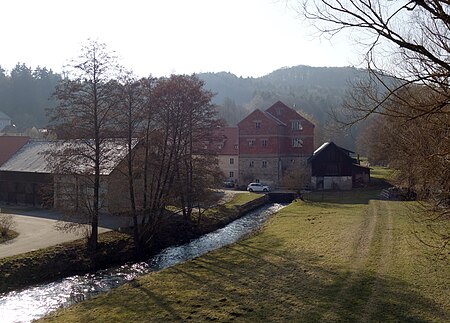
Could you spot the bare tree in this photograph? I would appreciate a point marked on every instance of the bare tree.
(407, 52)
(87, 100)
(134, 113)
(182, 123)
(406, 40)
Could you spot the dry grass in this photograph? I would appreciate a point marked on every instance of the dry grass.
(346, 257)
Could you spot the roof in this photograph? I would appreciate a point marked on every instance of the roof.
(266, 114)
(9, 145)
(322, 147)
(285, 113)
(278, 121)
(33, 157)
(230, 140)
(326, 145)
(4, 116)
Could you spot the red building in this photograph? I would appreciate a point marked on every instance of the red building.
(272, 144)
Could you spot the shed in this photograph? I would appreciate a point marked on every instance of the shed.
(28, 178)
(333, 167)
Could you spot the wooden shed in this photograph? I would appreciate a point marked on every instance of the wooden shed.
(333, 167)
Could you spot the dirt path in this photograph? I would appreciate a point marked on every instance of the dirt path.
(376, 226)
(385, 260)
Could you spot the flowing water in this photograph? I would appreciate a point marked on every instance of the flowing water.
(37, 301)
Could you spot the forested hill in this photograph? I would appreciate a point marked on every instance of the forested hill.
(315, 90)
(26, 93)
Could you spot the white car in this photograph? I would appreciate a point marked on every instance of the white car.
(257, 187)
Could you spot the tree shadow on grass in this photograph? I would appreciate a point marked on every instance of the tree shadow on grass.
(251, 282)
(354, 196)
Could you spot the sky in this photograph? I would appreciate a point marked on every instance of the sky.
(249, 38)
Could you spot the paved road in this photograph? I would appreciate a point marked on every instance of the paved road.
(37, 230)
(36, 227)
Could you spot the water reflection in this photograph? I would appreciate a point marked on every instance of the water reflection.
(35, 302)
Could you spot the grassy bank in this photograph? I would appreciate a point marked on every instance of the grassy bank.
(68, 258)
(114, 248)
(338, 257)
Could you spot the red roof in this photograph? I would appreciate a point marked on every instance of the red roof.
(227, 143)
(9, 145)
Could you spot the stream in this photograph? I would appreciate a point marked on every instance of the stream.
(37, 301)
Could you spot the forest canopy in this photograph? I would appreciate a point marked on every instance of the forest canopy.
(26, 93)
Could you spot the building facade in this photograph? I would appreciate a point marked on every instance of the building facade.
(273, 144)
(228, 153)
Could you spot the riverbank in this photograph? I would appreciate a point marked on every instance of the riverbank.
(340, 256)
(70, 258)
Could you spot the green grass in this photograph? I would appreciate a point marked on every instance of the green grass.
(225, 213)
(343, 257)
(381, 176)
(242, 198)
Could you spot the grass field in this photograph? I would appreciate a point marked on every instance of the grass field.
(340, 256)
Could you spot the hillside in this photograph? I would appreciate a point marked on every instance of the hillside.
(314, 90)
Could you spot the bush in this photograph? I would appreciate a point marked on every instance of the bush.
(6, 224)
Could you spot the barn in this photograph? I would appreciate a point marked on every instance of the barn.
(333, 167)
(27, 178)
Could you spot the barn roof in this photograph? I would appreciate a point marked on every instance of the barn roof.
(330, 144)
(9, 145)
(33, 156)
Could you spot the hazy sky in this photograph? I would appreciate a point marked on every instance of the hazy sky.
(160, 37)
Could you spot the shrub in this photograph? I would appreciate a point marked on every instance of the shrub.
(6, 224)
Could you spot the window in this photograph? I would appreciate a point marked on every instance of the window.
(231, 174)
(251, 164)
(257, 124)
(256, 180)
(264, 164)
(296, 125)
(251, 142)
(297, 142)
(236, 146)
(264, 142)
(231, 161)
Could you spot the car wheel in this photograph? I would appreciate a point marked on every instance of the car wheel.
(250, 190)
(265, 190)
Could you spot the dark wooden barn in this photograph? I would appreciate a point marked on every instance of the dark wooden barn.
(333, 167)
(25, 179)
